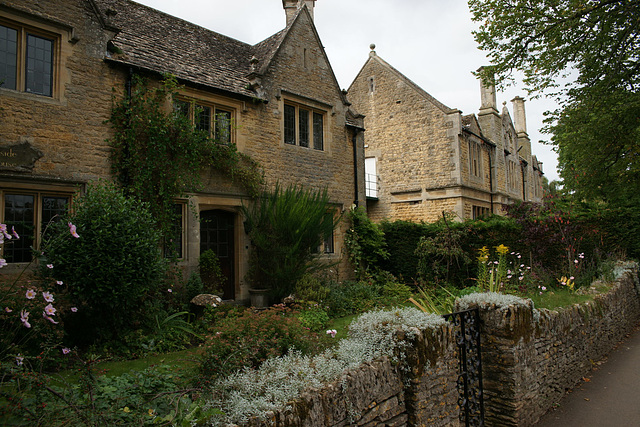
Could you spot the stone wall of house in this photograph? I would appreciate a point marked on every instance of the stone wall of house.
(530, 358)
(67, 128)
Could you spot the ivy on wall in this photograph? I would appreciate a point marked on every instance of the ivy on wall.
(158, 154)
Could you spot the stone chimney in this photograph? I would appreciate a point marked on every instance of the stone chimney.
(487, 96)
(291, 8)
(519, 116)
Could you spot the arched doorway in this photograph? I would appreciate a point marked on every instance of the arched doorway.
(216, 233)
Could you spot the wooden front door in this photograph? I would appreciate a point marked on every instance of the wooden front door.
(216, 233)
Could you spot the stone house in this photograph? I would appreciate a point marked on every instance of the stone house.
(61, 62)
(424, 158)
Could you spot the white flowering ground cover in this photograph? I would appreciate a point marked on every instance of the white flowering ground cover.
(254, 392)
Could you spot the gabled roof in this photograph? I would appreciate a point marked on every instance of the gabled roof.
(156, 41)
(374, 57)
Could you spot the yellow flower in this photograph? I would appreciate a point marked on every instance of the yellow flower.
(126, 409)
(483, 254)
(502, 249)
(151, 412)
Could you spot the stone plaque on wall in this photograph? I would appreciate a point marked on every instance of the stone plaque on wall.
(19, 157)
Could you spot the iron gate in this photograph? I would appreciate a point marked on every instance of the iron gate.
(470, 394)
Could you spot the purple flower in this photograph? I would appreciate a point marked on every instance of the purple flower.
(66, 350)
(24, 318)
(49, 265)
(15, 233)
(8, 310)
(3, 261)
(332, 332)
(50, 310)
(72, 230)
(19, 360)
(74, 309)
(48, 297)
(31, 294)
(59, 282)
(3, 230)
(169, 290)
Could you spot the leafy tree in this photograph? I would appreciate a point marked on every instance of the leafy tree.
(548, 39)
(286, 228)
(595, 46)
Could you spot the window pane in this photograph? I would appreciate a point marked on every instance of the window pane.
(223, 125)
(19, 213)
(318, 142)
(290, 124)
(303, 125)
(8, 57)
(203, 121)
(53, 208)
(39, 65)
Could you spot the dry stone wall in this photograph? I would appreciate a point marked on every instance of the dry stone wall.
(530, 358)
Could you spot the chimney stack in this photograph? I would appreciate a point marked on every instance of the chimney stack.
(487, 95)
(291, 8)
(519, 116)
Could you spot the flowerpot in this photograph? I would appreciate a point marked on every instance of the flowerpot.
(259, 298)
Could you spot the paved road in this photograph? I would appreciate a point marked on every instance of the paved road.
(611, 395)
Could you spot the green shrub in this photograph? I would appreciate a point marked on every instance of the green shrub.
(365, 244)
(248, 339)
(311, 288)
(313, 317)
(286, 227)
(111, 268)
(352, 297)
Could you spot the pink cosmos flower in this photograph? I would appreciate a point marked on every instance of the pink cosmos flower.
(74, 309)
(24, 318)
(31, 294)
(332, 332)
(48, 297)
(50, 319)
(15, 233)
(49, 265)
(19, 360)
(66, 350)
(72, 230)
(8, 310)
(3, 261)
(3, 230)
(59, 282)
(50, 310)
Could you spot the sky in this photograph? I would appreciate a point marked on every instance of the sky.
(429, 41)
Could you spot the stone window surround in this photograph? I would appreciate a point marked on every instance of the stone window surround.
(42, 27)
(214, 102)
(314, 106)
(38, 191)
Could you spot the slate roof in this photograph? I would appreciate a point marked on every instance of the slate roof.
(159, 42)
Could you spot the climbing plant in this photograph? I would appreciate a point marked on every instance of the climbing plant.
(159, 155)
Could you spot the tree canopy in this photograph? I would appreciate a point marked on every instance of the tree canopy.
(593, 46)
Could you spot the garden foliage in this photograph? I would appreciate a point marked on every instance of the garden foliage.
(110, 271)
(286, 228)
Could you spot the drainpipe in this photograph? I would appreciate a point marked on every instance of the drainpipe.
(128, 87)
